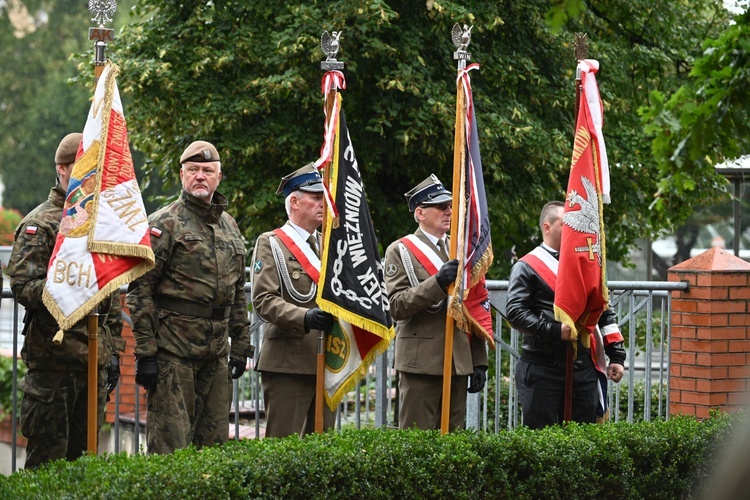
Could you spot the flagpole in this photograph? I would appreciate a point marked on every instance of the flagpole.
(101, 12)
(330, 47)
(461, 56)
(581, 52)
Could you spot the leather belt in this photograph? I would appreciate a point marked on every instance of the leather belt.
(190, 308)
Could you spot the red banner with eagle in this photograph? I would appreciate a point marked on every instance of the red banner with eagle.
(581, 293)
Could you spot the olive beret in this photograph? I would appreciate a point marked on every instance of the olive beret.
(199, 152)
(67, 149)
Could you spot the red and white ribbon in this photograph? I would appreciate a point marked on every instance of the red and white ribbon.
(332, 81)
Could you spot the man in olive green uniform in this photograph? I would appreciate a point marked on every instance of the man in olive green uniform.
(285, 265)
(187, 308)
(417, 275)
(54, 407)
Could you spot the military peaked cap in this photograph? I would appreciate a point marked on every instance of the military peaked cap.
(428, 192)
(306, 179)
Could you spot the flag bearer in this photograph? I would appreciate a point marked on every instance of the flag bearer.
(285, 264)
(540, 373)
(54, 406)
(417, 275)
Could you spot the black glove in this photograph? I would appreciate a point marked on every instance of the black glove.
(447, 274)
(146, 371)
(236, 367)
(113, 373)
(317, 319)
(477, 379)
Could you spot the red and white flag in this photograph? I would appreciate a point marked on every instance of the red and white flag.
(103, 241)
(581, 292)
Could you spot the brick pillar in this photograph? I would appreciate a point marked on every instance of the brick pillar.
(710, 342)
(128, 388)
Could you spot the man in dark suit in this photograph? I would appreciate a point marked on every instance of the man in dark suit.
(417, 275)
(286, 264)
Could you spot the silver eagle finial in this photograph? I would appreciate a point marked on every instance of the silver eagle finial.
(461, 37)
(329, 44)
(102, 10)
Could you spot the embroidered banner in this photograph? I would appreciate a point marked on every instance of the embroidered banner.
(470, 303)
(351, 285)
(581, 293)
(103, 241)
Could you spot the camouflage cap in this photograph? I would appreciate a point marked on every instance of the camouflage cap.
(200, 152)
(306, 179)
(67, 149)
(428, 192)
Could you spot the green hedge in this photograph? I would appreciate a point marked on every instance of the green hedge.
(644, 460)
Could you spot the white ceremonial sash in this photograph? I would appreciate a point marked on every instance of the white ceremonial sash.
(423, 252)
(302, 244)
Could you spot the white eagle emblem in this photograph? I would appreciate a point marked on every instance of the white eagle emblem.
(585, 220)
(461, 37)
(329, 44)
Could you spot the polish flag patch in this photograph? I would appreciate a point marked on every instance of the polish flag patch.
(155, 231)
(31, 229)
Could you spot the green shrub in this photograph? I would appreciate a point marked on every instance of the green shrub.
(615, 460)
(639, 397)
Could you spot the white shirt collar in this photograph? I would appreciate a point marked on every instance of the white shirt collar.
(301, 231)
(434, 239)
(549, 249)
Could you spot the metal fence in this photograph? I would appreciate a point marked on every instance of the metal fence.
(643, 310)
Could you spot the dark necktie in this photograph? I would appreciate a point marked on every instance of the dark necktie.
(313, 244)
(443, 250)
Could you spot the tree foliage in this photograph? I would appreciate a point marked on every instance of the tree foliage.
(245, 76)
(38, 105)
(38, 108)
(704, 122)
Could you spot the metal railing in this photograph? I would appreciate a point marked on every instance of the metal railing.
(643, 310)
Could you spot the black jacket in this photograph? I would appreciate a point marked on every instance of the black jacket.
(530, 310)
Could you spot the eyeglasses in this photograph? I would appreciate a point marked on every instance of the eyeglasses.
(440, 206)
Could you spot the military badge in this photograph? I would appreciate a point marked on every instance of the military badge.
(257, 266)
(155, 231)
(390, 270)
(207, 154)
(31, 230)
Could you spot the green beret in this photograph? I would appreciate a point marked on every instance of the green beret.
(67, 149)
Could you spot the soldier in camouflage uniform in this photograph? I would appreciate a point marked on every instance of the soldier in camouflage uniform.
(187, 307)
(54, 406)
